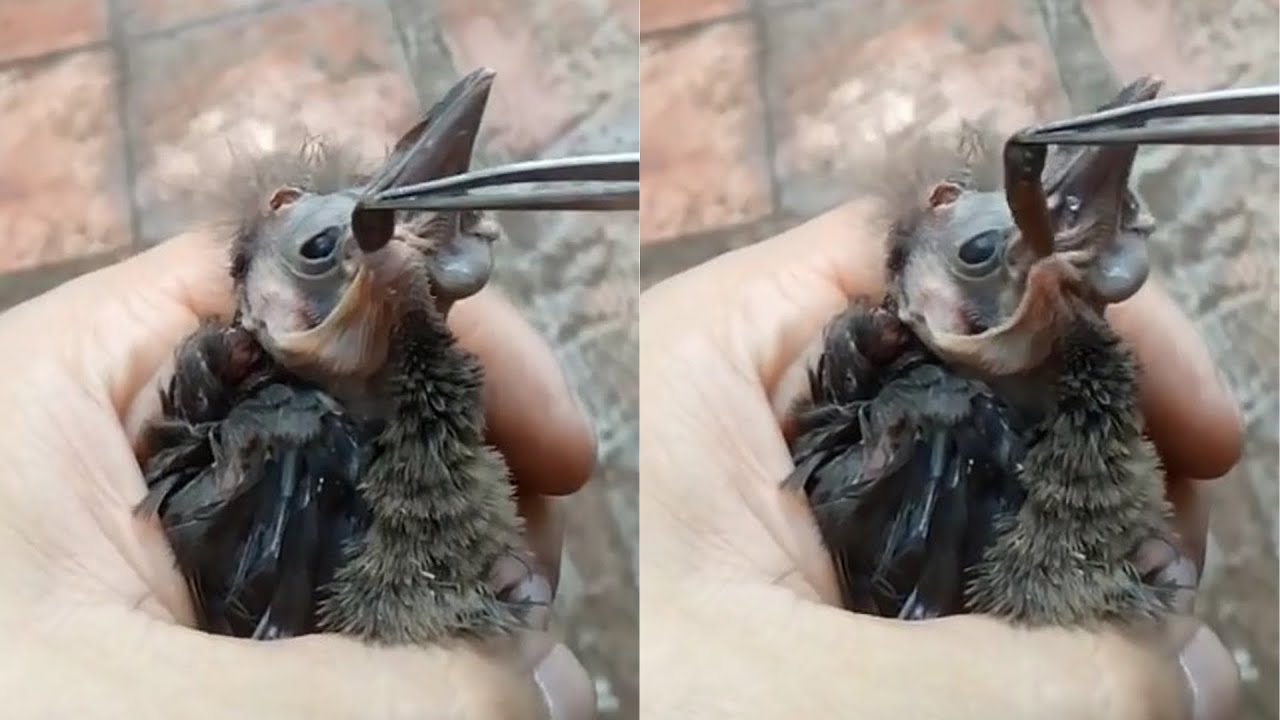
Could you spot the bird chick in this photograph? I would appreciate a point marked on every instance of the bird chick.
(973, 442)
(320, 463)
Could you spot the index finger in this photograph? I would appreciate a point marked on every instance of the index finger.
(813, 270)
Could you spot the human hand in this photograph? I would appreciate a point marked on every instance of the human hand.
(740, 606)
(94, 613)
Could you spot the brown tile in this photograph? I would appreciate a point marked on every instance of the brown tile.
(326, 69)
(60, 183)
(142, 16)
(841, 76)
(701, 133)
(670, 14)
(29, 28)
(1192, 45)
(549, 58)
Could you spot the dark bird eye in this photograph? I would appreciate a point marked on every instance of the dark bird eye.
(321, 246)
(980, 254)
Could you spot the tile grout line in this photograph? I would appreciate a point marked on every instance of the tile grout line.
(1086, 71)
(50, 56)
(676, 32)
(402, 51)
(118, 43)
(252, 11)
(688, 28)
(762, 66)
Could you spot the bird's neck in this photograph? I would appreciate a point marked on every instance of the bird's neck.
(1086, 357)
(432, 383)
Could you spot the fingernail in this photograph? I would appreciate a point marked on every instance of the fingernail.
(515, 581)
(1181, 575)
(1162, 564)
(566, 688)
(1212, 676)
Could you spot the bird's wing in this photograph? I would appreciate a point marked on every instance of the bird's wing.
(908, 478)
(258, 505)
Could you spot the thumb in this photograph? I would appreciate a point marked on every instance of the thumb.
(958, 667)
(143, 668)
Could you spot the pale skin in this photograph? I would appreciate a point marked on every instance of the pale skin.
(737, 594)
(95, 617)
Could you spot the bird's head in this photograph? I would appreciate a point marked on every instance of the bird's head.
(314, 297)
(977, 291)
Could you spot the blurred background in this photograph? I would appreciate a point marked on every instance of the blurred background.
(783, 92)
(114, 112)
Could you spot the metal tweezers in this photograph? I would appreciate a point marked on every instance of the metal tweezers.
(604, 183)
(1206, 120)
(611, 182)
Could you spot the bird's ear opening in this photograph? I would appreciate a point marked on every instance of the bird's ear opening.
(283, 197)
(944, 194)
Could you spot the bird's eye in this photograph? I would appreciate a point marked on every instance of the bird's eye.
(321, 246)
(319, 252)
(980, 254)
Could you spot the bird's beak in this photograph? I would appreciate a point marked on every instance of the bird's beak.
(1096, 218)
(438, 146)
(1088, 191)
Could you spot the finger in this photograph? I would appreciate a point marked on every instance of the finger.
(775, 296)
(1190, 518)
(544, 529)
(534, 415)
(1016, 674)
(791, 285)
(532, 581)
(189, 674)
(1190, 414)
(121, 323)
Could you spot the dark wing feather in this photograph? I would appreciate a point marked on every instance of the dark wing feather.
(259, 501)
(908, 467)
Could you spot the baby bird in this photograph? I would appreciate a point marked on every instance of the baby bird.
(320, 464)
(973, 442)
